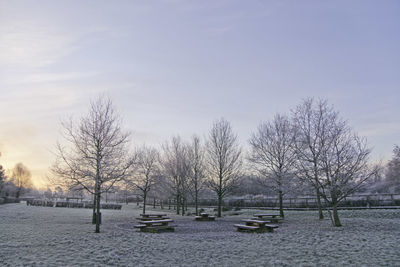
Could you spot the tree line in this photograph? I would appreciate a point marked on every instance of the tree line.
(312, 147)
(16, 182)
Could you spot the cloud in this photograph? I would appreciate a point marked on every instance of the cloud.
(380, 129)
(48, 77)
(26, 43)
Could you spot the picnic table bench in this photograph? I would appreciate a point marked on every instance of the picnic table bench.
(269, 217)
(204, 217)
(155, 226)
(255, 226)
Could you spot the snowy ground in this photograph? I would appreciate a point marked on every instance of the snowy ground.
(41, 236)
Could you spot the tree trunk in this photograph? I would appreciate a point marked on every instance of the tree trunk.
(144, 203)
(154, 203)
(281, 204)
(195, 201)
(181, 205)
(321, 215)
(336, 219)
(98, 210)
(94, 209)
(184, 208)
(219, 205)
(220, 194)
(126, 195)
(177, 204)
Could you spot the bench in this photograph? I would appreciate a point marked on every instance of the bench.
(204, 217)
(164, 221)
(246, 227)
(155, 226)
(275, 218)
(255, 226)
(272, 220)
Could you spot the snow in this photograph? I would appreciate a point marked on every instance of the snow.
(44, 236)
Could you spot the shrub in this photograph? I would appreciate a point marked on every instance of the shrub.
(11, 200)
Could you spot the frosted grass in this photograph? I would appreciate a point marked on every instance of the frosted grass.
(41, 236)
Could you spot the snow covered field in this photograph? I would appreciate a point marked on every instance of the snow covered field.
(42, 236)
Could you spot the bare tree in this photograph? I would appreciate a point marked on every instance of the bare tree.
(147, 169)
(196, 161)
(58, 192)
(97, 153)
(176, 168)
(392, 175)
(162, 189)
(2, 177)
(224, 160)
(273, 156)
(345, 167)
(312, 120)
(21, 178)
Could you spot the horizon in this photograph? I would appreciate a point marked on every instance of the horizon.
(173, 67)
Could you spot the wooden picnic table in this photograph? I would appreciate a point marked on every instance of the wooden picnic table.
(272, 217)
(151, 217)
(156, 215)
(155, 226)
(205, 217)
(255, 226)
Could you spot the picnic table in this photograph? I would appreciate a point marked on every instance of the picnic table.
(204, 217)
(156, 215)
(155, 226)
(252, 225)
(152, 217)
(271, 217)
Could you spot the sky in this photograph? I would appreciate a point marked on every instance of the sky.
(173, 67)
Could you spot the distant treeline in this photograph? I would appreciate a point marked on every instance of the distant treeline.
(309, 202)
(6, 200)
(66, 204)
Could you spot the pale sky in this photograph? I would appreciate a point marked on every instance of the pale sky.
(173, 67)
